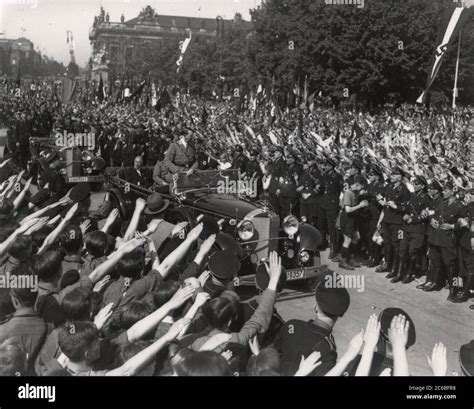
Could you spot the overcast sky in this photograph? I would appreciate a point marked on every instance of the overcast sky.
(45, 22)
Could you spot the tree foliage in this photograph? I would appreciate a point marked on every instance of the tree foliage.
(378, 53)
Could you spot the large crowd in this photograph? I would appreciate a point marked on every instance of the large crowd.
(390, 190)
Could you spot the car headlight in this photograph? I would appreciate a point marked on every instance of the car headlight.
(304, 256)
(291, 225)
(86, 156)
(245, 230)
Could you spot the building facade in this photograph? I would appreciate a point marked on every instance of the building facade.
(115, 44)
(18, 55)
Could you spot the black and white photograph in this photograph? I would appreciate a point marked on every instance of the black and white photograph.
(196, 192)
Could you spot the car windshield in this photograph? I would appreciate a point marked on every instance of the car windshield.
(204, 179)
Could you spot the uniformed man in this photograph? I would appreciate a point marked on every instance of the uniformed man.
(205, 159)
(331, 187)
(224, 266)
(288, 198)
(465, 226)
(181, 156)
(443, 249)
(375, 189)
(435, 193)
(414, 229)
(299, 338)
(25, 325)
(396, 193)
(308, 188)
(128, 152)
(161, 175)
(239, 159)
(275, 170)
(253, 171)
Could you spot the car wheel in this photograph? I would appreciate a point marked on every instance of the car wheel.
(115, 205)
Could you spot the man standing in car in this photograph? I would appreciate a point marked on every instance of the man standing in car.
(181, 156)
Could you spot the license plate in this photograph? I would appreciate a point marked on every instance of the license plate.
(295, 274)
(90, 179)
(78, 179)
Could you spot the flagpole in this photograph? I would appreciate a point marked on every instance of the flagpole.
(455, 90)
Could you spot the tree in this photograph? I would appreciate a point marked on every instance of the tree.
(381, 51)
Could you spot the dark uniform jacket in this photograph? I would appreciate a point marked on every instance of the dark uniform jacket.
(331, 188)
(466, 233)
(309, 180)
(399, 195)
(239, 162)
(276, 170)
(252, 167)
(445, 213)
(205, 162)
(289, 180)
(415, 205)
(373, 190)
(299, 338)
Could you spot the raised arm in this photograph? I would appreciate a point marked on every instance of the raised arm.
(143, 358)
(52, 237)
(371, 338)
(42, 211)
(132, 227)
(176, 255)
(25, 228)
(398, 336)
(260, 319)
(19, 199)
(102, 269)
(351, 352)
(110, 220)
(150, 322)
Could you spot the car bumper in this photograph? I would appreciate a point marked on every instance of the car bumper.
(291, 275)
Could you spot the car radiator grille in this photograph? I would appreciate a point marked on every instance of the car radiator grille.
(266, 226)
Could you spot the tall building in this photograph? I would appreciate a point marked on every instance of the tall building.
(114, 44)
(17, 55)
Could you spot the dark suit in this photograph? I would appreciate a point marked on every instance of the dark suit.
(140, 178)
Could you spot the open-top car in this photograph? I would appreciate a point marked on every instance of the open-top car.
(76, 164)
(247, 227)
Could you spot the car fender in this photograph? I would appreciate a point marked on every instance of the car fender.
(119, 202)
(225, 241)
(308, 238)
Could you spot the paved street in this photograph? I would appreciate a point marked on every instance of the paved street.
(435, 319)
